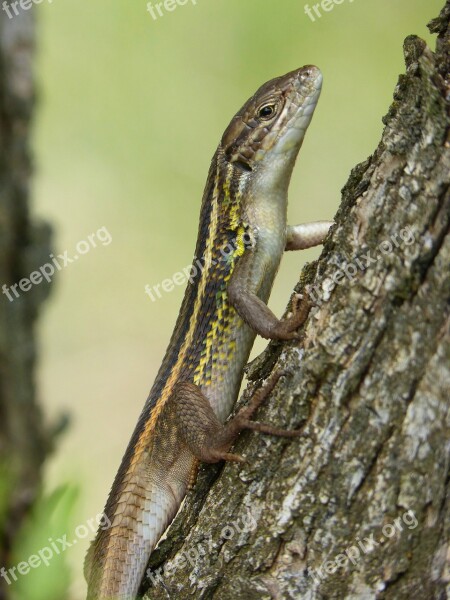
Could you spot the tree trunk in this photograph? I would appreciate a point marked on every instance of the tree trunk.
(24, 443)
(358, 507)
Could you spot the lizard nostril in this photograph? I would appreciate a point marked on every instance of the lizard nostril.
(309, 71)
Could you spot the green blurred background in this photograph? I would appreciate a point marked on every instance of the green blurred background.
(130, 112)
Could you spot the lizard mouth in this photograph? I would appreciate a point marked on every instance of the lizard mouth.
(299, 109)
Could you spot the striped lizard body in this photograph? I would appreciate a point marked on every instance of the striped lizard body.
(242, 235)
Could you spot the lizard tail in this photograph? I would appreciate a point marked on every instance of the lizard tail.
(116, 560)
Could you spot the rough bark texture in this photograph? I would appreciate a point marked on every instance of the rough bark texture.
(370, 382)
(24, 246)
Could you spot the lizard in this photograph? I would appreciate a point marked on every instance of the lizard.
(242, 235)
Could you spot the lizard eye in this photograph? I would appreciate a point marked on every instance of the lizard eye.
(267, 111)
(246, 238)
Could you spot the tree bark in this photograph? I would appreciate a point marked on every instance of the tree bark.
(24, 442)
(358, 507)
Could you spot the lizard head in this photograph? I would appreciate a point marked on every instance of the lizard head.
(268, 131)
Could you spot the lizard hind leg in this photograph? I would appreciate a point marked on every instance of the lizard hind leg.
(199, 428)
(204, 435)
(242, 419)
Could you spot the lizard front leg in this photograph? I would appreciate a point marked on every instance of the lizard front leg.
(307, 235)
(242, 289)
